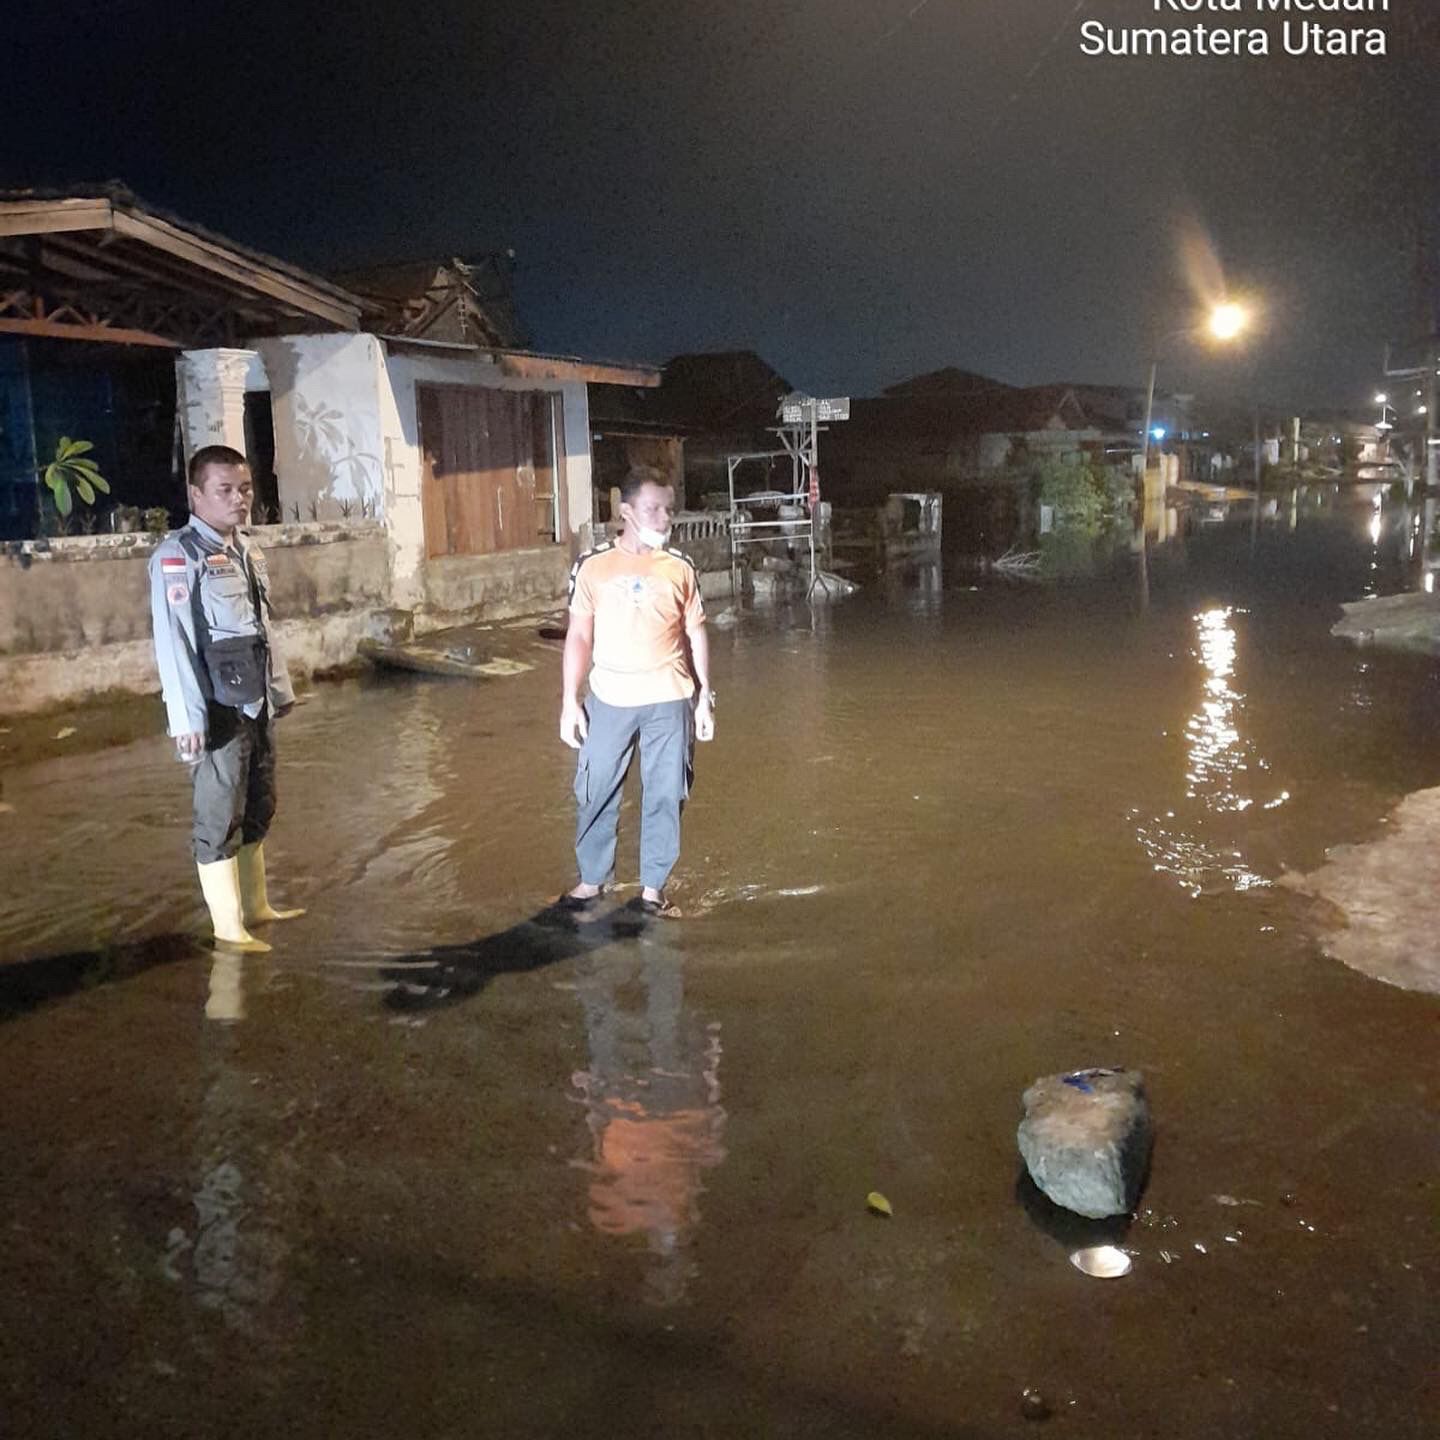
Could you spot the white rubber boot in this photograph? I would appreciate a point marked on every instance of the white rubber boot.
(256, 905)
(220, 882)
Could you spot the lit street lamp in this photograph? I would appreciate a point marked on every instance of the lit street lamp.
(1226, 322)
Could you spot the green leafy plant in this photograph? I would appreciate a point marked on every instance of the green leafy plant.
(73, 473)
(1084, 495)
(1071, 491)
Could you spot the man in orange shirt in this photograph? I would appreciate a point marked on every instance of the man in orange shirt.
(637, 633)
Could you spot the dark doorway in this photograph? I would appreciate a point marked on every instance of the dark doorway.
(260, 451)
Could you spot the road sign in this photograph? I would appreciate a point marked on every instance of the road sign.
(802, 409)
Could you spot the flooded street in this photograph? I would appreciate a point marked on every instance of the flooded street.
(434, 1169)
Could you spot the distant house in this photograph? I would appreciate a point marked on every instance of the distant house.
(708, 406)
(949, 427)
(949, 383)
(1119, 410)
(730, 402)
(627, 430)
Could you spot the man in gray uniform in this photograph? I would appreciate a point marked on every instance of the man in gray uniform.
(225, 683)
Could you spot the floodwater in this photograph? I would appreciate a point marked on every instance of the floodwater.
(432, 1169)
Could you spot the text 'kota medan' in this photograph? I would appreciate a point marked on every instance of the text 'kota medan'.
(1274, 7)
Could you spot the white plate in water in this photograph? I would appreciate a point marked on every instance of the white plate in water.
(1104, 1262)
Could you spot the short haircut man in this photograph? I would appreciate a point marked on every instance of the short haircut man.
(637, 636)
(225, 682)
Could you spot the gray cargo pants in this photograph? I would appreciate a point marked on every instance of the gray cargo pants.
(234, 783)
(665, 734)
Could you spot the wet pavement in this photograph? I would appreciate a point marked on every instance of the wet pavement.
(432, 1168)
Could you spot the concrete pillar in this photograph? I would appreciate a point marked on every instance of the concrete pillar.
(580, 502)
(210, 388)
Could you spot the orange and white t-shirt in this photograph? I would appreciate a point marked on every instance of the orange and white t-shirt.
(644, 605)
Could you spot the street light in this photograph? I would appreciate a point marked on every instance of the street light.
(1226, 322)
(1382, 398)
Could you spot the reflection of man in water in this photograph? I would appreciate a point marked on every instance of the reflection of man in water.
(652, 1094)
(231, 1255)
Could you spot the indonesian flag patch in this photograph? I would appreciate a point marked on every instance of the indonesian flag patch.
(172, 564)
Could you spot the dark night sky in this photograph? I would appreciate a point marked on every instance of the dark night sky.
(859, 189)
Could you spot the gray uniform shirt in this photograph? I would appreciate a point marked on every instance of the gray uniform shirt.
(200, 588)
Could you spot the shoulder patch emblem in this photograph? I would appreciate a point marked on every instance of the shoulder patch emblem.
(177, 593)
(599, 549)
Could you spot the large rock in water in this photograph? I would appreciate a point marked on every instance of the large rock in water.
(1086, 1139)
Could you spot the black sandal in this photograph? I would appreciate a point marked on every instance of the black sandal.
(578, 904)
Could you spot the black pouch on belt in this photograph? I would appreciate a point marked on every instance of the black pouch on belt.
(237, 669)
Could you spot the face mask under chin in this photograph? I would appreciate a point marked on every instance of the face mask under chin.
(654, 539)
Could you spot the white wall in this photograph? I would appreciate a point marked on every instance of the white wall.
(347, 434)
(325, 391)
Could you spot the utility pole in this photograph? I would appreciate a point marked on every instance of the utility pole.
(1255, 509)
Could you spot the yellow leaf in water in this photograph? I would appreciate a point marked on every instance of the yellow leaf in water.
(878, 1204)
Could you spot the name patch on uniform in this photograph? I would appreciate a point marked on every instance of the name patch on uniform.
(177, 593)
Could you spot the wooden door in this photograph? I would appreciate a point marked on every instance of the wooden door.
(487, 469)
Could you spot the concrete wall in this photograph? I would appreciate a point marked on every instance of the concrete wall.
(515, 582)
(325, 393)
(75, 612)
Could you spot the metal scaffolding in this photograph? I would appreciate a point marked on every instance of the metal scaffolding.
(798, 445)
